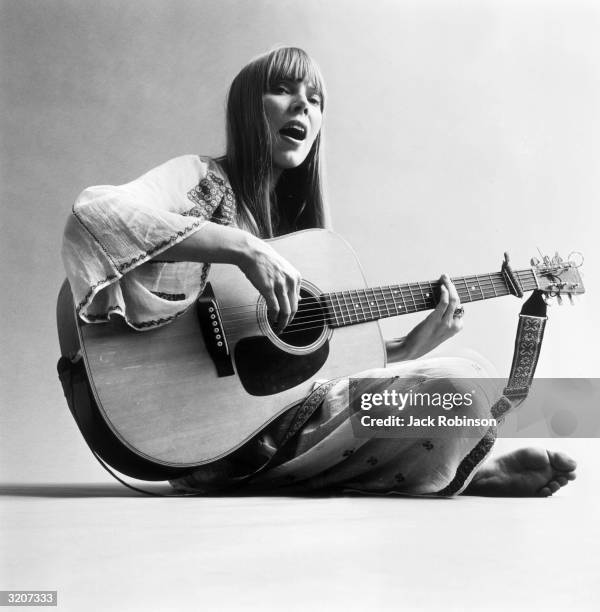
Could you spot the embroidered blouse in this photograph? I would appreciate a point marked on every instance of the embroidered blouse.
(114, 234)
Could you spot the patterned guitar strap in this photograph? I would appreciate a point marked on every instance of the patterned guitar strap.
(528, 344)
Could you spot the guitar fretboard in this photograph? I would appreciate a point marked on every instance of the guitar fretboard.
(361, 305)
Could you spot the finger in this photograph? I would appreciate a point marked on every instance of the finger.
(272, 305)
(453, 301)
(284, 309)
(293, 297)
(442, 305)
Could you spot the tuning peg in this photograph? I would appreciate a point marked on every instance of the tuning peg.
(535, 261)
(559, 299)
(571, 299)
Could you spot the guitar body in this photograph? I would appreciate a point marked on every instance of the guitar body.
(176, 398)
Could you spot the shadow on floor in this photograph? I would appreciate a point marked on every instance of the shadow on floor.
(160, 491)
(63, 490)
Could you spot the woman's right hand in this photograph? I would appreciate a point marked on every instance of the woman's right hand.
(274, 278)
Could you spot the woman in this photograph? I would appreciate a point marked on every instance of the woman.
(143, 251)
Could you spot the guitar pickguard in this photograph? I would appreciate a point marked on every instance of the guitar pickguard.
(264, 369)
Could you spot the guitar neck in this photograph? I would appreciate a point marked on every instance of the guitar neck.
(362, 305)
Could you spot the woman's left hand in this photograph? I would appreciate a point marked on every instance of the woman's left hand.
(441, 324)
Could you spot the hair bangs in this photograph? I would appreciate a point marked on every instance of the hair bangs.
(294, 64)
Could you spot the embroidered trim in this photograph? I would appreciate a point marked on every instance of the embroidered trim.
(171, 297)
(469, 463)
(309, 405)
(105, 315)
(126, 265)
(213, 199)
(93, 288)
(135, 324)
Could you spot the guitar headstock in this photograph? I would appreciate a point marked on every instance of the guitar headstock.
(558, 277)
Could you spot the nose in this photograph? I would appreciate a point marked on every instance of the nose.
(300, 103)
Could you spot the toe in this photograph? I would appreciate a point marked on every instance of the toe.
(553, 486)
(561, 461)
(544, 492)
(562, 480)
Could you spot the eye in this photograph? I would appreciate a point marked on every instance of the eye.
(280, 88)
(315, 100)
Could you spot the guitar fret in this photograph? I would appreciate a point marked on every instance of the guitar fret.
(375, 304)
(355, 305)
(348, 309)
(393, 304)
(413, 298)
(493, 287)
(422, 294)
(331, 308)
(402, 298)
(362, 305)
(385, 302)
(464, 280)
(480, 289)
(348, 306)
(370, 305)
(337, 295)
(396, 307)
(430, 294)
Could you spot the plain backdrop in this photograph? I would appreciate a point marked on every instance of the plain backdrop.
(454, 131)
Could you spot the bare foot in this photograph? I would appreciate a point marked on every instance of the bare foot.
(526, 472)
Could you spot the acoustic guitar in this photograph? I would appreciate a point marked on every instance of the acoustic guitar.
(174, 397)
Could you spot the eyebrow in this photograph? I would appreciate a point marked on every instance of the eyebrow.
(312, 87)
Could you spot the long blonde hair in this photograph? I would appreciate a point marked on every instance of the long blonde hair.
(298, 201)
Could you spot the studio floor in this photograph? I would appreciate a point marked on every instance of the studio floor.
(104, 548)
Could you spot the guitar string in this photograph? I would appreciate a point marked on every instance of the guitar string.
(432, 285)
(387, 293)
(382, 301)
(384, 308)
(329, 320)
(333, 320)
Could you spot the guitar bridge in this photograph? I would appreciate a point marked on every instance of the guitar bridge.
(212, 331)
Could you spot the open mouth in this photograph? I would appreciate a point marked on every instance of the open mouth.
(294, 131)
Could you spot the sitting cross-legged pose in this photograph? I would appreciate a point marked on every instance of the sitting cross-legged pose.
(142, 251)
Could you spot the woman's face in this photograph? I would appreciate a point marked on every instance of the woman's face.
(293, 110)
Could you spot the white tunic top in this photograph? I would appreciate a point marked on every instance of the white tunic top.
(114, 232)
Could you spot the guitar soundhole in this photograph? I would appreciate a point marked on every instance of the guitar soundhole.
(308, 323)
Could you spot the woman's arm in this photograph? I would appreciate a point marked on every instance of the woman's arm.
(440, 325)
(272, 275)
(213, 243)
